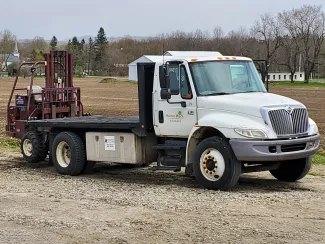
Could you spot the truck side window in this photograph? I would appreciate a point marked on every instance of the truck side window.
(174, 80)
(186, 91)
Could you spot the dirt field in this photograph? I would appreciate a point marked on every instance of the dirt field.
(114, 205)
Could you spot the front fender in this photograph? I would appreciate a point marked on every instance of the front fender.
(221, 124)
(226, 122)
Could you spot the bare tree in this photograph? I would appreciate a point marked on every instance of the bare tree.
(267, 31)
(306, 26)
(288, 55)
(218, 33)
(7, 43)
(238, 42)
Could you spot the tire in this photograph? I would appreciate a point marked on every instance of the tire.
(291, 171)
(68, 153)
(33, 147)
(222, 170)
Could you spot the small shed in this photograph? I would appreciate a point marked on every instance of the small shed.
(133, 72)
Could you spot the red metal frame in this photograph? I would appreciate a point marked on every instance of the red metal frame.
(59, 97)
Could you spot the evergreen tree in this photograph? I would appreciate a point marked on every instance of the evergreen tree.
(54, 43)
(75, 42)
(101, 37)
(82, 42)
(100, 49)
(74, 47)
(90, 55)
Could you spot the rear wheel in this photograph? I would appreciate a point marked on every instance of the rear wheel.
(33, 147)
(69, 156)
(294, 170)
(215, 166)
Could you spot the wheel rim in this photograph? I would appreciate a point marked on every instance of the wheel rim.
(63, 154)
(28, 147)
(212, 164)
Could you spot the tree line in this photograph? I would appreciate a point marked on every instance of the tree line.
(289, 40)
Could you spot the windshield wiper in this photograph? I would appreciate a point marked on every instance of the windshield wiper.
(217, 94)
(248, 91)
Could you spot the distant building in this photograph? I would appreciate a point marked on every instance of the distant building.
(10, 58)
(133, 72)
(285, 76)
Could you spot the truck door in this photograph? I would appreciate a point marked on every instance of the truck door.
(173, 119)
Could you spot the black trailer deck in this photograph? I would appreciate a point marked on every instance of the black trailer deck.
(88, 122)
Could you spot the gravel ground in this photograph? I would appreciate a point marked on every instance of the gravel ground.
(115, 205)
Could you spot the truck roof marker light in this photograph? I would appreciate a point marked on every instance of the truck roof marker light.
(220, 58)
(194, 59)
(234, 58)
(197, 123)
(227, 58)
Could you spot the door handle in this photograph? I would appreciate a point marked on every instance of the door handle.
(161, 116)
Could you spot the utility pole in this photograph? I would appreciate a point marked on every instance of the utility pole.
(300, 58)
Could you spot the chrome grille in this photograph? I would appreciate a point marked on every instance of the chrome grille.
(286, 123)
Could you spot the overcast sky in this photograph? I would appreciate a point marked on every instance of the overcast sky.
(66, 18)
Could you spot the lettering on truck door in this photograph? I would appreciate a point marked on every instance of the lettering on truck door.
(178, 120)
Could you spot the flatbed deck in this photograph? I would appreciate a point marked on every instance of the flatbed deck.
(89, 122)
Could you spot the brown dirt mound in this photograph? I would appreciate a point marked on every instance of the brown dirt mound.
(108, 80)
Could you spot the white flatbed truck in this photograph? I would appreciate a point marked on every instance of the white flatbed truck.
(211, 115)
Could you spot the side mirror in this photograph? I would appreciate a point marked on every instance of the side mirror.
(162, 76)
(165, 93)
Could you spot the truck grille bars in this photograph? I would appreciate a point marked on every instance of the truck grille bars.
(289, 121)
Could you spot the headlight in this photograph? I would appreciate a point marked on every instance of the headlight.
(313, 129)
(251, 133)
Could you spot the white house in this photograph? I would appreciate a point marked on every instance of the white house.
(8, 59)
(133, 72)
(284, 76)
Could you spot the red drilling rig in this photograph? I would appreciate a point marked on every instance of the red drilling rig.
(57, 99)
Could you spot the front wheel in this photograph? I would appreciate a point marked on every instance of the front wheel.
(292, 171)
(69, 156)
(214, 165)
(33, 147)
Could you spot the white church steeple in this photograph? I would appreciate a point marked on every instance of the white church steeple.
(16, 51)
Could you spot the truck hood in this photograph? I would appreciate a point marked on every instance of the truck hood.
(244, 103)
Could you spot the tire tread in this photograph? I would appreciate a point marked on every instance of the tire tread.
(77, 164)
(235, 165)
(40, 147)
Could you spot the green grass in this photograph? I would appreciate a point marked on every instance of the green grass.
(312, 83)
(9, 143)
(319, 158)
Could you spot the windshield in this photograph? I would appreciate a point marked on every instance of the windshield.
(226, 77)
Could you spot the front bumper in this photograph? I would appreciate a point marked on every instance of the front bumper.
(275, 150)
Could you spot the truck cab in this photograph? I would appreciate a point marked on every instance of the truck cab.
(230, 122)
